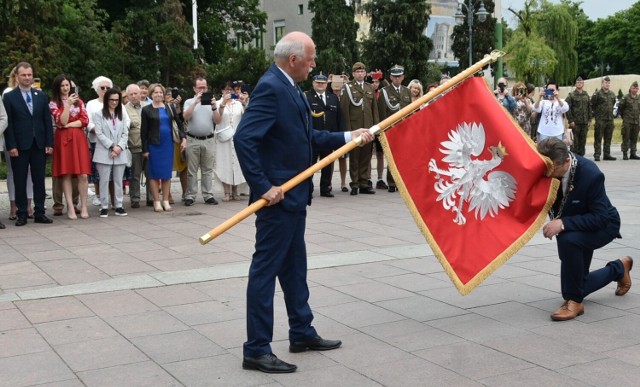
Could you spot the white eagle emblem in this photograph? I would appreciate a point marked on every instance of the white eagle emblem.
(470, 179)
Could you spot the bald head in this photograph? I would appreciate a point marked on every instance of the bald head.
(295, 54)
(133, 93)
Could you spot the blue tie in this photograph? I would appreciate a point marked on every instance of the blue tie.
(29, 104)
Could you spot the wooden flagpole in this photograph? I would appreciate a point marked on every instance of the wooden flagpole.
(381, 126)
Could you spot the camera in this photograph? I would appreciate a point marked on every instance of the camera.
(72, 90)
(522, 91)
(502, 86)
(234, 96)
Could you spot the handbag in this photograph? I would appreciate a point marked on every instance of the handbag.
(225, 134)
(175, 132)
(129, 157)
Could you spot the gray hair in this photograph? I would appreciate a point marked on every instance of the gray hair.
(96, 82)
(131, 86)
(555, 149)
(287, 47)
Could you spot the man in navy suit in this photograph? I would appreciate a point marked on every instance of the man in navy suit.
(274, 142)
(29, 139)
(583, 219)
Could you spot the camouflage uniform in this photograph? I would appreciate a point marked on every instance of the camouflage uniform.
(579, 114)
(602, 104)
(629, 109)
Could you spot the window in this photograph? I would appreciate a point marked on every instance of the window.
(300, 9)
(259, 39)
(278, 30)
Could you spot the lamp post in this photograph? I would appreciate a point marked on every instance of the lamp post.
(602, 67)
(482, 14)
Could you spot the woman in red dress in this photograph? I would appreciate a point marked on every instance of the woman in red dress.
(70, 150)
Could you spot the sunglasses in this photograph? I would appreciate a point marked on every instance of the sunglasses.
(114, 100)
(104, 87)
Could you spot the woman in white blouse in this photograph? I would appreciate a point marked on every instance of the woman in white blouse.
(551, 110)
(112, 135)
(227, 117)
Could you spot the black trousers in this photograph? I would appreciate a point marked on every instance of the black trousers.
(35, 158)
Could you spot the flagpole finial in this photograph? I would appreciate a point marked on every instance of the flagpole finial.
(495, 54)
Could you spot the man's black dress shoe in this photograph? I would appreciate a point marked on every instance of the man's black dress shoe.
(327, 194)
(43, 219)
(367, 191)
(315, 344)
(354, 191)
(268, 363)
(392, 189)
(21, 222)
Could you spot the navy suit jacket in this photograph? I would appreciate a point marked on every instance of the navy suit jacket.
(588, 208)
(23, 126)
(275, 139)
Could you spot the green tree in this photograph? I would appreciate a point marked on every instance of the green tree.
(530, 57)
(154, 42)
(483, 34)
(397, 37)
(559, 28)
(246, 64)
(333, 29)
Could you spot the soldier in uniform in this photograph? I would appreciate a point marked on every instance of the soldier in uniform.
(578, 116)
(629, 110)
(326, 115)
(602, 103)
(360, 110)
(393, 98)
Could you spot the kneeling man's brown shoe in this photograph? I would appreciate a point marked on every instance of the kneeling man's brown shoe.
(568, 311)
(625, 282)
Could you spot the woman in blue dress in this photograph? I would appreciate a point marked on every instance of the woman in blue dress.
(157, 145)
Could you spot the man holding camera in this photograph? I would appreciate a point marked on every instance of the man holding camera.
(579, 115)
(502, 93)
(551, 109)
(602, 103)
(198, 112)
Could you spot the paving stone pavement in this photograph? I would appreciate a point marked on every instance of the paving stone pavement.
(136, 301)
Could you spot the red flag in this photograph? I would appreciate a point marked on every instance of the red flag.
(472, 180)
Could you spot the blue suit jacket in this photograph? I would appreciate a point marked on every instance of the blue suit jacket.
(23, 126)
(275, 139)
(588, 208)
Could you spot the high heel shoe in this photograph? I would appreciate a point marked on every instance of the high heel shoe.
(157, 207)
(166, 205)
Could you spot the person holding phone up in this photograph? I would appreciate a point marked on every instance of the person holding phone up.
(551, 109)
(524, 107)
(502, 94)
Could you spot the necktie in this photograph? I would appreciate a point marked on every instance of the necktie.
(29, 104)
(324, 101)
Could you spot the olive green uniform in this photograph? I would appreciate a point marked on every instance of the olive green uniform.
(579, 114)
(629, 109)
(602, 104)
(389, 102)
(360, 110)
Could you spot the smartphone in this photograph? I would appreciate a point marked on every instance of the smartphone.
(206, 98)
(72, 90)
(175, 93)
(234, 96)
(36, 83)
(548, 94)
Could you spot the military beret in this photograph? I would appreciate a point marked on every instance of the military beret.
(634, 84)
(397, 70)
(320, 78)
(376, 75)
(607, 79)
(358, 66)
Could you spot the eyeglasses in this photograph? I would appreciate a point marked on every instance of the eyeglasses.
(114, 100)
(104, 87)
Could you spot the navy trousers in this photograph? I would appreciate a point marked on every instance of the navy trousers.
(37, 159)
(575, 249)
(280, 253)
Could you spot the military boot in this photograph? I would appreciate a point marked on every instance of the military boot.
(624, 156)
(609, 158)
(634, 156)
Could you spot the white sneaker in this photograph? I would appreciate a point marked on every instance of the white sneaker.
(91, 192)
(95, 201)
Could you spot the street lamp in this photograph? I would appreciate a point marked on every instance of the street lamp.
(482, 17)
(602, 67)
